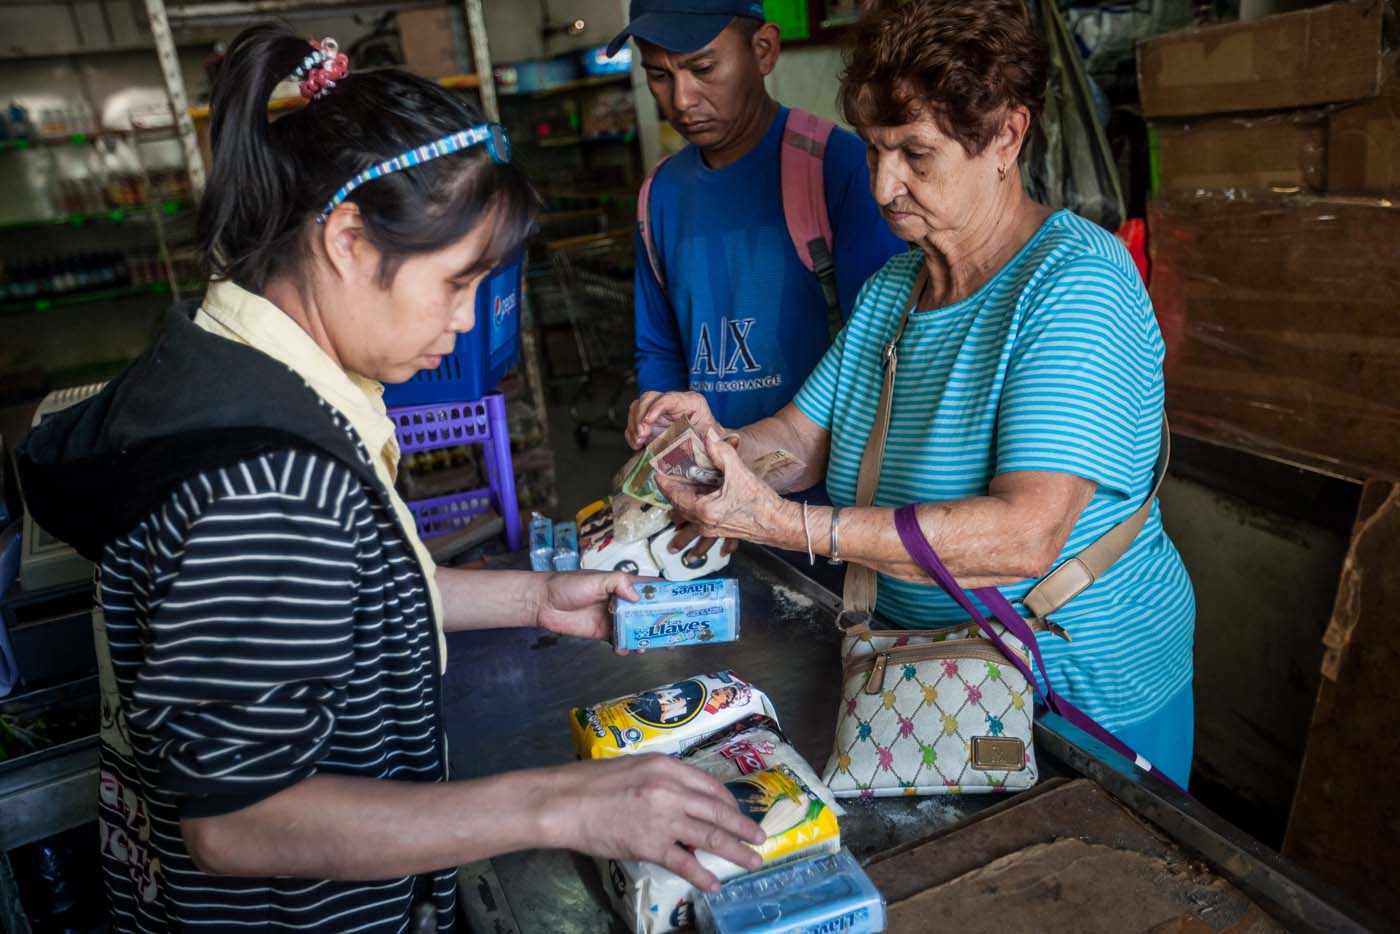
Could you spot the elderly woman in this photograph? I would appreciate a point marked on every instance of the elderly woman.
(1027, 404)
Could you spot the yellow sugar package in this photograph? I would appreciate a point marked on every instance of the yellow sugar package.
(667, 719)
(654, 900)
(756, 744)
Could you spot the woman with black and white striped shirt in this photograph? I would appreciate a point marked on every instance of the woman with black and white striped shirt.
(270, 627)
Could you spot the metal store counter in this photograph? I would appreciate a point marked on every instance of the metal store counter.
(507, 696)
(506, 703)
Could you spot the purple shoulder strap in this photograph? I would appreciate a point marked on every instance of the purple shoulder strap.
(907, 523)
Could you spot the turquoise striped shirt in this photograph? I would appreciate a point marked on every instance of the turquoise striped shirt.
(1055, 364)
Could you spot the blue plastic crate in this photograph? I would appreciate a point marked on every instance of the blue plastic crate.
(483, 355)
(537, 75)
(595, 61)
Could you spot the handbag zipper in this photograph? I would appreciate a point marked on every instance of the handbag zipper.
(878, 662)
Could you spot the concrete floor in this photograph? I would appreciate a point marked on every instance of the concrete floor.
(582, 473)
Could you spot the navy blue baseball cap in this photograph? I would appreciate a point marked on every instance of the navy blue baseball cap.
(682, 25)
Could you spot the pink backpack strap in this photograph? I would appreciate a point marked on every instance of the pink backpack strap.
(804, 187)
(644, 223)
(804, 201)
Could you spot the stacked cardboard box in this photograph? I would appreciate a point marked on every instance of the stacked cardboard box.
(1300, 101)
(1278, 288)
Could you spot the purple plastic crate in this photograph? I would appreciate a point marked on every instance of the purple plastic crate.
(441, 425)
(446, 424)
(444, 514)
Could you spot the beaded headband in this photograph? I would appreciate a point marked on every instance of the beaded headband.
(323, 66)
(492, 134)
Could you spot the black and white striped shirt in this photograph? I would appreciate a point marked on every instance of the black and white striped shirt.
(266, 623)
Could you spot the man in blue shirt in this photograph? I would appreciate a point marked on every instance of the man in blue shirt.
(740, 319)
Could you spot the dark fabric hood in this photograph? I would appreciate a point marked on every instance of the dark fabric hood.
(193, 401)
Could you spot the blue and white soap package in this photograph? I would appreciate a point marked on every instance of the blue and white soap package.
(828, 893)
(541, 543)
(566, 547)
(670, 614)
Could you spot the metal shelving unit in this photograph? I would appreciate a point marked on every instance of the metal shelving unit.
(166, 18)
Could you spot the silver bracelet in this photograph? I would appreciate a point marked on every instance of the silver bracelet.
(835, 536)
(807, 531)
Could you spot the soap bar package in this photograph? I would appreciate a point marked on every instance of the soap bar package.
(566, 547)
(655, 900)
(820, 893)
(668, 719)
(674, 614)
(541, 543)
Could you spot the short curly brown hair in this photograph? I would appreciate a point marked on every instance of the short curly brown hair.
(960, 62)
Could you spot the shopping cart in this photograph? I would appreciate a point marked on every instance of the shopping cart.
(583, 294)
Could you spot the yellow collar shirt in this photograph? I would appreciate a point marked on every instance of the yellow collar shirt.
(233, 312)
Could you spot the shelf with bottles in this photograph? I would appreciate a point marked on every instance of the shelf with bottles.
(69, 172)
(84, 138)
(138, 213)
(72, 125)
(292, 102)
(574, 87)
(39, 284)
(575, 139)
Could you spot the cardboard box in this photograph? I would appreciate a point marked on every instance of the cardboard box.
(1363, 143)
(1318, 56)
(1282, 326)
(434, 42)
(1285, 153)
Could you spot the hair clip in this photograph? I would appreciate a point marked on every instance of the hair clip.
(321, 69)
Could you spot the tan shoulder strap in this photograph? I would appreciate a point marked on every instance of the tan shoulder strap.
(858, 593)
(1054, 590)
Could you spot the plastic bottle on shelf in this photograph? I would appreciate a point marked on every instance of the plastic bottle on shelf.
(125, 187)
(84, 121)
(20, 127)
(121, 272)
(53, 123)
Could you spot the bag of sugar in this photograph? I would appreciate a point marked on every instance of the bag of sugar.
(668, 719)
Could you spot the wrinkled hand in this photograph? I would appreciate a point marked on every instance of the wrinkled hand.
(654, 412)
(576, 604)
(744, 508)
(651, 808)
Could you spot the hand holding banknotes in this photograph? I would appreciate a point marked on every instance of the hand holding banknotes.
(744, 507)
(654, 412)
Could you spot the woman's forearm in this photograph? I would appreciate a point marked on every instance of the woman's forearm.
(868, 537)
(345, 828)
(1013, 534)
(791, 431)
(489, 599)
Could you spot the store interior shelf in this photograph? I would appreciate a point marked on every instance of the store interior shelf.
(598, 194)
(142, 134)
(572, 140)
(569, 87)
(454, 82)
(89, 296)
(113, 216)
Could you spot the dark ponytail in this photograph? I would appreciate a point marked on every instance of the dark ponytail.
(270, 178)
